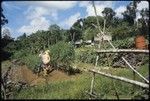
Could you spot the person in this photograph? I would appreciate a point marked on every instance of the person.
(45, 58)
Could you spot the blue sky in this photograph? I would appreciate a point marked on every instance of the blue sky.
(30, 16)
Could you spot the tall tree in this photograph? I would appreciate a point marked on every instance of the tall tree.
(108, 14)
(3, 18)
(143, 24)
(130, 13)
(22, 36)
(76, 30)
(55, 31)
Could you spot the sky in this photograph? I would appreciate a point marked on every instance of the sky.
(31, 16)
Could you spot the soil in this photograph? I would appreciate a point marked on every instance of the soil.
(24, 74)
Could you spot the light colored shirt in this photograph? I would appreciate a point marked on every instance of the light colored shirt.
(45, 57)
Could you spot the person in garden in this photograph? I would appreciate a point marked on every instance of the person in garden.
(45, 58)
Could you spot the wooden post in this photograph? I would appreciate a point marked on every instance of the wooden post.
(144, 85)
(133, 79)
(104, 25)
(97, 57)
(92, 83)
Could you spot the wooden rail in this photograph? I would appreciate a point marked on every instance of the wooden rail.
(122, 51)
(144, 85)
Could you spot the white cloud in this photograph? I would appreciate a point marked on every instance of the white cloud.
(59, 5)
(99, 9)
(100, 5)
(36, 17)
(36, 24)
(71, 20)
(138, 16)
(142, 5)
(36, 12)
(119, 11)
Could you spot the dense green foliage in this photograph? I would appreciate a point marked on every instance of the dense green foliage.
(62, 53)
(87, 56)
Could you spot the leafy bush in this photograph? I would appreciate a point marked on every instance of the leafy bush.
(31, 60)
(86, 56)
(89, 56)
(19, 54)
(62, 53)
(123, 31)
(125, 43)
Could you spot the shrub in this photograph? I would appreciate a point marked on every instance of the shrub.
(31, 60)
(89, 56)
(63, 54)
(86, 56)
(125, 43)
(19, 54)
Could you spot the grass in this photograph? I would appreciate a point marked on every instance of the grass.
(70, 89)
(75, 88)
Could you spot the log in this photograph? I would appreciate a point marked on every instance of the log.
(144, 85)
(122, 51)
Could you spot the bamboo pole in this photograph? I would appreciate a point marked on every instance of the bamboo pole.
(135, 70)
(92, 83)
(96, 16)
(144, 85)
(97, 57)
(133, 79)
(122, 51)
